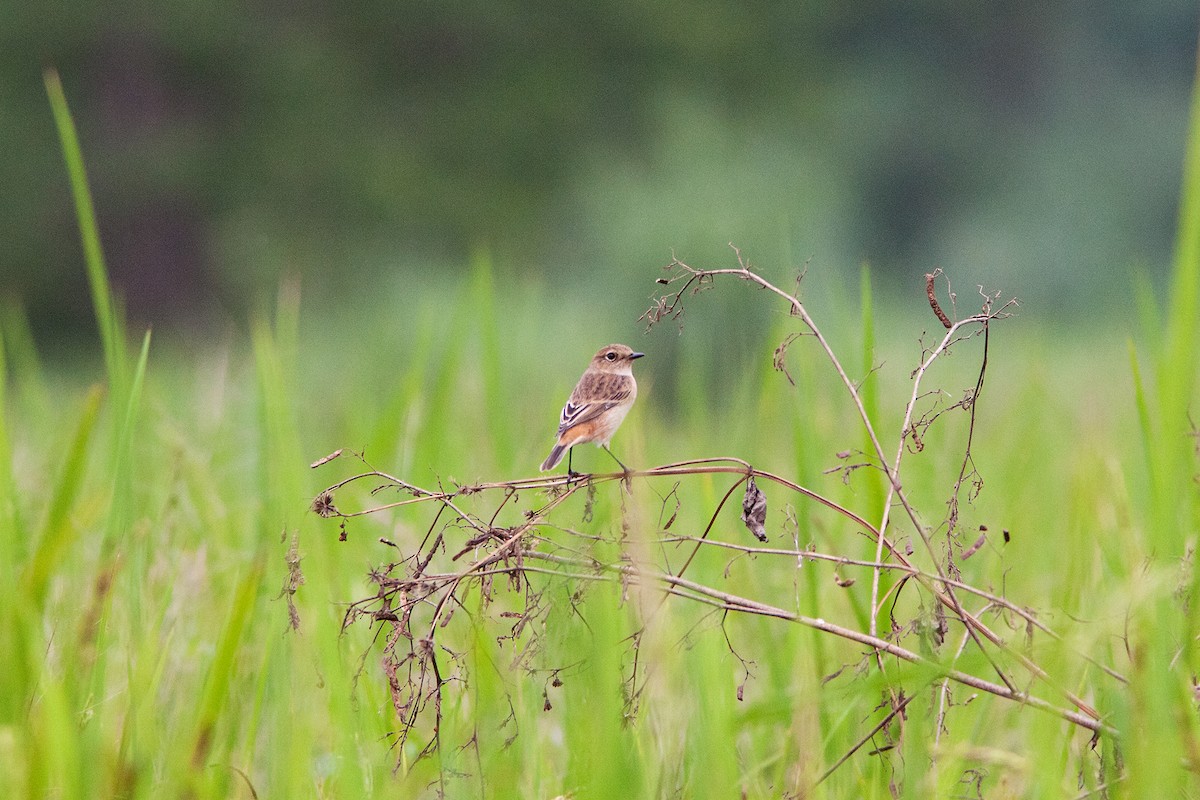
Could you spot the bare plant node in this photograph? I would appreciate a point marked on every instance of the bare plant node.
(779, 358)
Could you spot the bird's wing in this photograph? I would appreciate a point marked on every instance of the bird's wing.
(577, 413)
(593, 395)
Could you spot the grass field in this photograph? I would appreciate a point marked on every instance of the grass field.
(174, 615)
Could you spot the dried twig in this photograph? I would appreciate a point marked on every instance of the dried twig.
(692, 278)
(420, 588)
(524, 555)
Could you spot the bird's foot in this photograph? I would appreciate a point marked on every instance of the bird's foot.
(626, 479)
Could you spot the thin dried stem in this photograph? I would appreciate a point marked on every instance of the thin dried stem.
(734, 466)
(536, 547)
(693, 277)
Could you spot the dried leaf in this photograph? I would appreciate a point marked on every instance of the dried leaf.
(323, 505)
(326, 459)
(974, 548)
(931, 292)
(754, 510)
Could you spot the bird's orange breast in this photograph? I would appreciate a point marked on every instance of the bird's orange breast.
(581, 433)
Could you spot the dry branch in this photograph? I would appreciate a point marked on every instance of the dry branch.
(520, 554)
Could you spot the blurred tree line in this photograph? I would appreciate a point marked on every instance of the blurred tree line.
(227, 142)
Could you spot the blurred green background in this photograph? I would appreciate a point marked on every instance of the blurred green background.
(402, 229)
(371, 149)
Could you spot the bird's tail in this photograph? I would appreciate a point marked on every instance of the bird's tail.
(555, 456)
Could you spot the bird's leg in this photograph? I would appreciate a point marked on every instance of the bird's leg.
(627, 470)
(571, 474)
(623, 468)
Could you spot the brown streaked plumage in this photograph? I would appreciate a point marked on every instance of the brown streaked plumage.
(598, 405)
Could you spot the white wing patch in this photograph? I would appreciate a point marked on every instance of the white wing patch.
(575, 413)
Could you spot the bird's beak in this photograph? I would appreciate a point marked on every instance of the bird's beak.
(635, 355)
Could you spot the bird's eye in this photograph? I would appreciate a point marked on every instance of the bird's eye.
(610, 356)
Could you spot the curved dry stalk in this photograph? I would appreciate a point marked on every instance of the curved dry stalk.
(674, 585)
(951, 336)
(947, 597)
(993, 599)
(565, 486)
(731, 602)
(511, 552)
(883, 723)
(669, 305)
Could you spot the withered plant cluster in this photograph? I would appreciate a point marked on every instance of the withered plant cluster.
(464, 548)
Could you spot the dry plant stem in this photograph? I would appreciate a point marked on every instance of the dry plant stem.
(944, 695)
(636, 667)
(734, 466)
(730, 602)
(918, 376)
(406, 588)
(992, 599)
(510, 546)
(866, 738)
(797, 308)
(1102, 790)
(680, 587)
(445, 586)
(946, 596)
(893, 490)
(745, 273)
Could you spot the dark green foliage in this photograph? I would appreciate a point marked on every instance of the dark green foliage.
(229, 142)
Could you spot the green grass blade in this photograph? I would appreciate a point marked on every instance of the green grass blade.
(121, 511)
(1158, 688)
(1178, 508)
(28, 375)
(1175, 505)
(281, 459)
(397, 429)
(107, 318)
(1183, 331)
(57, 533)
(1179, 376)
(1145, 422)
(54, 756)
(216, 694)
(12, 544)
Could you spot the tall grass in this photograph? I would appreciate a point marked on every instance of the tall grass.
(154, 532)
(1167, 414)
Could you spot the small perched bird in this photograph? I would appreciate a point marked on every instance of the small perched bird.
(598, 405)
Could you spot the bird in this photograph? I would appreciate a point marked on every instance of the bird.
(598, 404)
